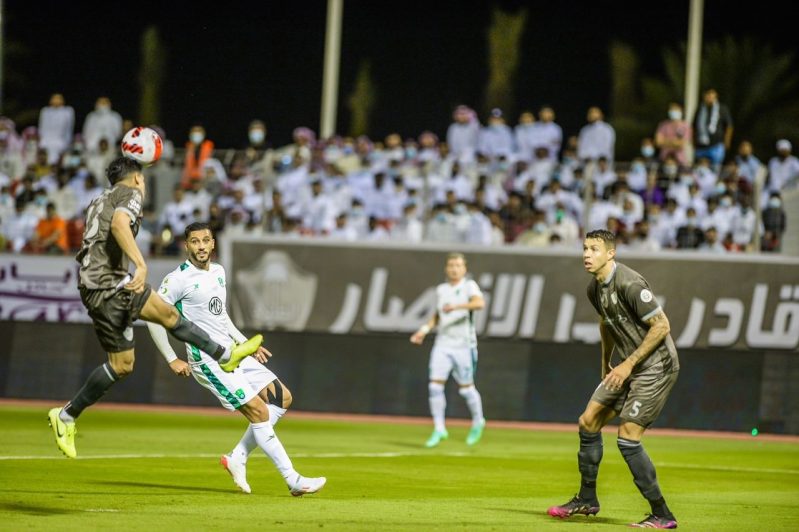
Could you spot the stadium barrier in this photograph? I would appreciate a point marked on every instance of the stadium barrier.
(338, 319)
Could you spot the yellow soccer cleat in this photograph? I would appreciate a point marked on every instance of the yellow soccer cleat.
(64, 433)
(240, 352)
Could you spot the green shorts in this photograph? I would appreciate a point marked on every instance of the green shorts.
(113, 312)
(641, 398)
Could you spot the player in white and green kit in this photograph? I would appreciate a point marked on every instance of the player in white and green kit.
(198, 288)
(455, 348)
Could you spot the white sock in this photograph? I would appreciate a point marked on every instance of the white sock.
(66, 418)
(438, 404)
(474, 402)
(275, 413)
(267, 440)
(245, 446)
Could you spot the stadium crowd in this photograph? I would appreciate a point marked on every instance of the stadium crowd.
(489, 184)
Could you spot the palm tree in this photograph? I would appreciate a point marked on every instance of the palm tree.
(758, 84)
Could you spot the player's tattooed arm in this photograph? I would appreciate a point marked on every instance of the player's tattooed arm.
(658, 330)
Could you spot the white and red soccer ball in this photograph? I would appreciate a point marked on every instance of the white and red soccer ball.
(142, 144)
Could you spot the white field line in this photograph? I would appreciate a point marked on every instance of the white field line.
(675, 465)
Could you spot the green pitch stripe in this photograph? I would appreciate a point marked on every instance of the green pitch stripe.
(220, 387)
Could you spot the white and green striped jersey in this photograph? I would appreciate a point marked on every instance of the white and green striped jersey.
(200, 296)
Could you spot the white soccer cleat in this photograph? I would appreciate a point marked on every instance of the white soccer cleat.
(304, 485)
(237, 471)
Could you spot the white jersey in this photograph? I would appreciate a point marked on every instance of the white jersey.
(200, 296)
(456, 328)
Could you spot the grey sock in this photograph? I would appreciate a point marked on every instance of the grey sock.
(588, 459)
(99, 381)
(187, 331)
(644, 475)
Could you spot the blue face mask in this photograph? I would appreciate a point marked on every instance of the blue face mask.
(410, 153)
(637, 167)
(197, 138)
(774, 203)
(647, 151)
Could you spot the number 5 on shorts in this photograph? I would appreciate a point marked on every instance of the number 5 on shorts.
(634, 410)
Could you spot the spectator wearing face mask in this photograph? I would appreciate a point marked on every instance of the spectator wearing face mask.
(496, 139)
(783, 168)
(673, 135)
(748, 164)
(773, 224)
(198, 150)
(649, 154)
(712, 131)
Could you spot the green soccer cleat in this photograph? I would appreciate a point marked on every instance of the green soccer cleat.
(436, 438)
(240, 352)
(64, 433)
(475, 433)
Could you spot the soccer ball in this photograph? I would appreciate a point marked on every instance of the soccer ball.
(142, 144)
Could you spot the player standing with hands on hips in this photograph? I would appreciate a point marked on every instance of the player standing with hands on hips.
(635, 389)
(455, 348)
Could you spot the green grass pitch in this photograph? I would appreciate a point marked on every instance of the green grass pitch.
(160, 471)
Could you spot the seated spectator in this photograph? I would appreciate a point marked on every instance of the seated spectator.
(711, 242)
(689, 235)
(20, 227)
(51, 234)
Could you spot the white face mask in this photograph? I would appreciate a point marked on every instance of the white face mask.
(257, 136)
(674, 114)
(197, 138)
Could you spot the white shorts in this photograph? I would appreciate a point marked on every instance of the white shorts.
(460, 361)
(236, 388)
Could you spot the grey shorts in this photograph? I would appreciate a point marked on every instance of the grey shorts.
(113, 312)
(641, 398)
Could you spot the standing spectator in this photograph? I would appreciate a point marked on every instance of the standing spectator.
(773, 224)
(462, 134)
(712, 129)
(673, 135)
(12, 165)
(597, 138)
(548, 133)
(783, 169)
(496, 139)
(748, 164)
(102, 123)
(51, 233)
(525, 136)
(649, 154)
(56, 125)
(198, 150)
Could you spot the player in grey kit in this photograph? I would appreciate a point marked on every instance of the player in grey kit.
(635, 389)
(115, 299)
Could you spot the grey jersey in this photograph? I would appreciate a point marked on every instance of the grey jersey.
(103, 264)
(625, 302)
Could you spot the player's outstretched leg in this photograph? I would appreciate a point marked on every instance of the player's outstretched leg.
(64, 433)
(240, 351)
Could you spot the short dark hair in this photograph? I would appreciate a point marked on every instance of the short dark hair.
(197, 226)
(605, 236)
(120, 168)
